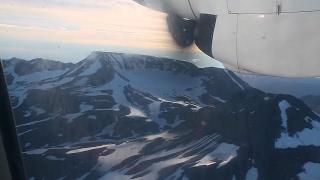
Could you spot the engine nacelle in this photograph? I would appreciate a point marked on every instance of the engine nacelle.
(181, 8)
(277, 38)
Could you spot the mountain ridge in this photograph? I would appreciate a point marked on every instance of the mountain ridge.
(115, 115)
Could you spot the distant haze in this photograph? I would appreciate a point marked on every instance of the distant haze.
(69, 31)
(297, 87)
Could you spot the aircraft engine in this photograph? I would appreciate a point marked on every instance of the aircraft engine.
(181, 29)
(277, 38)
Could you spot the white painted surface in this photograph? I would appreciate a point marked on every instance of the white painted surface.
(217, 7)
(279, 45)
(251, 6)
(298, 5)
(224, 40)
(180, 7)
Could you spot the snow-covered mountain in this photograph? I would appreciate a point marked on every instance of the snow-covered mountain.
(313, 102)
(298, 87)
(123, 116)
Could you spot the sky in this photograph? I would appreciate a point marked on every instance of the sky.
(69, 30)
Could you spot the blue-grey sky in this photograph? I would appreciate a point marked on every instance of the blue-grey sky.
(69, 30)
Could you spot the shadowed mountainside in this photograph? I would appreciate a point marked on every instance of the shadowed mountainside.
(123, 116)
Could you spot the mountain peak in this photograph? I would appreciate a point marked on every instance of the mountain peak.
(144, 117)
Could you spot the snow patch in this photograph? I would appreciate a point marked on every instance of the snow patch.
(55, 158)
(92, 69)
(71, 117)
(304, 138)
(92, 117)
(92, 56)
(203, 123)
(86, 149)
(21, 84)
(81, 82)
(182, 154)
(55, 83)
(27, 131)
(108, 130)
(27, 113)
(311, 171)
(135, 113)
(83, 108)
(252, 174)
(224, 152)
(36, 122)
(218, 98)
(36, 151)
(235, 81)
(284, 105)
(38, 111)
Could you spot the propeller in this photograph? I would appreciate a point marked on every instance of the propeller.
(181, 29)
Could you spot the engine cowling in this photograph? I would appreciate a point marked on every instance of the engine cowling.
(277, 38)
(181, 29)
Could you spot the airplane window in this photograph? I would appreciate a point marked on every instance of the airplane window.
(118, 90)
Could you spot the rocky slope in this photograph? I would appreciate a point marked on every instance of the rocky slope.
(122, 116)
